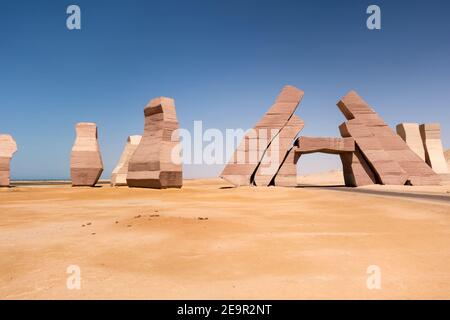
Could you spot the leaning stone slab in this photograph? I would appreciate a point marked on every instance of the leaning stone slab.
(392, 161)
(120, 172)
(410, 133)
(277, 151)
(434, 152)
(242, 167)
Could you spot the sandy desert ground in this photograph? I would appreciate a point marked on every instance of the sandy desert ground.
(209, 241)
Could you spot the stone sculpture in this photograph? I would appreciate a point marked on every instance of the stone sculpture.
(119, 174)
(390, 158)
(370, 151)
(354, 172)
(307, 145)
(410, 133)
(243, 168)
(156, 162)
(277, 151)
(86, 165)
(287, 173)
(434, 152)
(7, 149)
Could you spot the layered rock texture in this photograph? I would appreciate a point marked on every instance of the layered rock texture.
(276, 152)
(307, 145)
(355, 173)
(434, 152)
(261, 152)
(86, 165)
(355, 170)
(120, 172)
(370, 151)
(382, 150)
(7, 149)
(410, 133)
(156, 161)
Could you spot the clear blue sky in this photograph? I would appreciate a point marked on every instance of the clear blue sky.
(224, 62)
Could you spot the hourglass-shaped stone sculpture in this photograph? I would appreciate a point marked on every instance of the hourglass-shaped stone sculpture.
(86, 164)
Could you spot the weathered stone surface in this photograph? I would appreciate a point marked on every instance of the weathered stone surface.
(324, 145)
(287, 173)
(434, 152)
(243, 166)
(410, 133)
(156, 162)
(392, 161)
(356, 170)
(7, 149)
(120, 172)
(277, 151)
(86, 165)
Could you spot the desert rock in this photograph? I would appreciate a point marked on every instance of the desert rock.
(156, 162)
(119, 174)
(392, 161)
(7, 149)
(86, 165)
(242, 169)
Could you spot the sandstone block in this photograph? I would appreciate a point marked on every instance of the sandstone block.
(86, 165)
(120, 172)
(434, 152)
(254, 146)
(8, 147)
(156, 161)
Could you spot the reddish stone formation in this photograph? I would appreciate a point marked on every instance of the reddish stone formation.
(277, 151)
(86, 165)
(287, 173)
(120, 172)
(354, 172)
(307, 145)
(369, 150)
(434, 152)
(7, 149)
(242, 169)
(389, 157)
(355, 169)
(156, 162)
